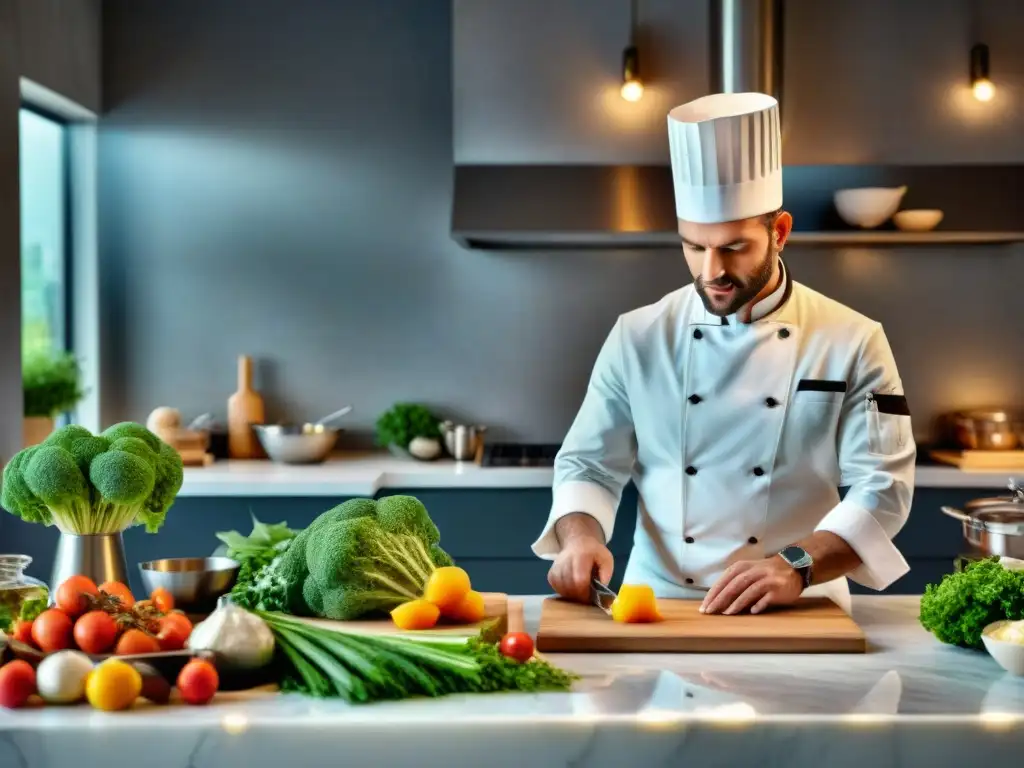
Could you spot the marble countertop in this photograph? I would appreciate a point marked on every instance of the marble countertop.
(908, 701)
(364, 474)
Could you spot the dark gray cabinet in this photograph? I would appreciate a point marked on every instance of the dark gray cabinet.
(489, 531)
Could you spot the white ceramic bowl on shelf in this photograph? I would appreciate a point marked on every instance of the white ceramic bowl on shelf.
(1007, 653)
(918, 219)
(868, 207)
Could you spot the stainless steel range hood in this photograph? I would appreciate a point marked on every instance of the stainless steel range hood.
(611, 206)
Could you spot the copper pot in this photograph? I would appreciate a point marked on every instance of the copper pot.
(988, 430)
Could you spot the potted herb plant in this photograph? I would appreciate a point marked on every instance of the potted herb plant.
(51, 385)
(409, 429)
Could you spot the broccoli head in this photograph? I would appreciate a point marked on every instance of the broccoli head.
(89, 484)
(359, 558)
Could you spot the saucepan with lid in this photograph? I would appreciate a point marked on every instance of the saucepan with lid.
(994, 526)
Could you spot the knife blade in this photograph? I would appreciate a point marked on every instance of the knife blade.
(601, 595)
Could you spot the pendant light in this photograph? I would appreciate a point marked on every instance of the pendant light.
(632, 86)
(981, 85)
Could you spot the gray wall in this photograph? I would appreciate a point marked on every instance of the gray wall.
(56, 44)
(279, 184)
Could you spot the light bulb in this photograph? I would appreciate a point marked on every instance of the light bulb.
(632, 90)
(983, 89)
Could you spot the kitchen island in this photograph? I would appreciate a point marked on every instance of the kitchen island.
(909, 701)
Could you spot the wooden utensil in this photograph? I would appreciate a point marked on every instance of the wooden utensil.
(812, 625)
(245, 408)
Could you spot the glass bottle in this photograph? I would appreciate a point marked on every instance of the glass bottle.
(16, 586)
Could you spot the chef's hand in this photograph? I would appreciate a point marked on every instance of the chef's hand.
(754, 584)
(574, 566)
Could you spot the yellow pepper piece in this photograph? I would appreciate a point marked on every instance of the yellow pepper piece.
(635, 604)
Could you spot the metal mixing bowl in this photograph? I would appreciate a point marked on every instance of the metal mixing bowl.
(297, 443)
(195, 583)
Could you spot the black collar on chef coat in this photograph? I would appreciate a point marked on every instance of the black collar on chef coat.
(770, 303)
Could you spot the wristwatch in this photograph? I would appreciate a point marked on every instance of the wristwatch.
(800, 561)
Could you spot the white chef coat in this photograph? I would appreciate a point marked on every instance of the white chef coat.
(738, 437)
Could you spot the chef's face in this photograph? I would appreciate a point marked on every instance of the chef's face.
(733, 263)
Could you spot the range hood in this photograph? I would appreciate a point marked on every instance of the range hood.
(549, 206)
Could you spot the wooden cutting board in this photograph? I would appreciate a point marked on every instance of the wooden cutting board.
(495, 617)
(813, 625)
(982, 460)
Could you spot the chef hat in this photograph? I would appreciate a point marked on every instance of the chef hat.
(726, 160)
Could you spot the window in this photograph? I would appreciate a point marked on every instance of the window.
(44, 262)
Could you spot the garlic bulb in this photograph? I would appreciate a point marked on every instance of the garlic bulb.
(425, 448)
(241, 639)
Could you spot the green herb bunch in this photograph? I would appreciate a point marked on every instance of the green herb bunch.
(405, 422)
(960, 606)
(51, 384)
(362, 668)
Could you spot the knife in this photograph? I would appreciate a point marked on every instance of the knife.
(600, 594)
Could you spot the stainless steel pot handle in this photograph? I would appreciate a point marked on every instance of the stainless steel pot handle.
(958, 515)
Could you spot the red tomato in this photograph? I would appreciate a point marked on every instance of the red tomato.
(517, 645)
(95, 632)
(51, 630)
(17, 683)
(162, 599)
(22, 632)
(198, 681)
(174, 631)
(136, 641)
(74, 595)
(120, 591)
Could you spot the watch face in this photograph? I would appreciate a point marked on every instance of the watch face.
(796, 557)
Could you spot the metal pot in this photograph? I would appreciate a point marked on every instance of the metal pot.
(464, 442)
(987, 430)
(994, 526)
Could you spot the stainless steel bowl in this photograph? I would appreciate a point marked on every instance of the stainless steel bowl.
(195, 583)
(297, 443)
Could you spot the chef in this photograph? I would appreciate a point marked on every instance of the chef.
(738, 405)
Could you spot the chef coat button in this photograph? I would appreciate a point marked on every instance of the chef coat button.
(752, 540)
(784, 333)
(697, 334)
(689, 539)
(691, 470)
(758, 471)
(771, 402)
(689, 581)
(694, 399)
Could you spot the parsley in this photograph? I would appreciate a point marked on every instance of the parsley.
(960, 606)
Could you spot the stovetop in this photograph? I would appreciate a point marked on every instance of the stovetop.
(519, 454)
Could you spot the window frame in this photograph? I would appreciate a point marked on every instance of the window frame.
(67, 222)
(82, 268)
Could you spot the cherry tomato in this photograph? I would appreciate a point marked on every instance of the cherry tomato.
(116, 589)
(51, 630)
(22, 632)
(75, 595)
(174, 631)
(136, 641)
(162, 599)
(517, 645)
(95, 632)
(198, 681)
(17, 683)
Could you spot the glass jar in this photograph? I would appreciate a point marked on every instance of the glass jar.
(16, 587)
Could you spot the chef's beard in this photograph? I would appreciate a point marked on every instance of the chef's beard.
(747, 286)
